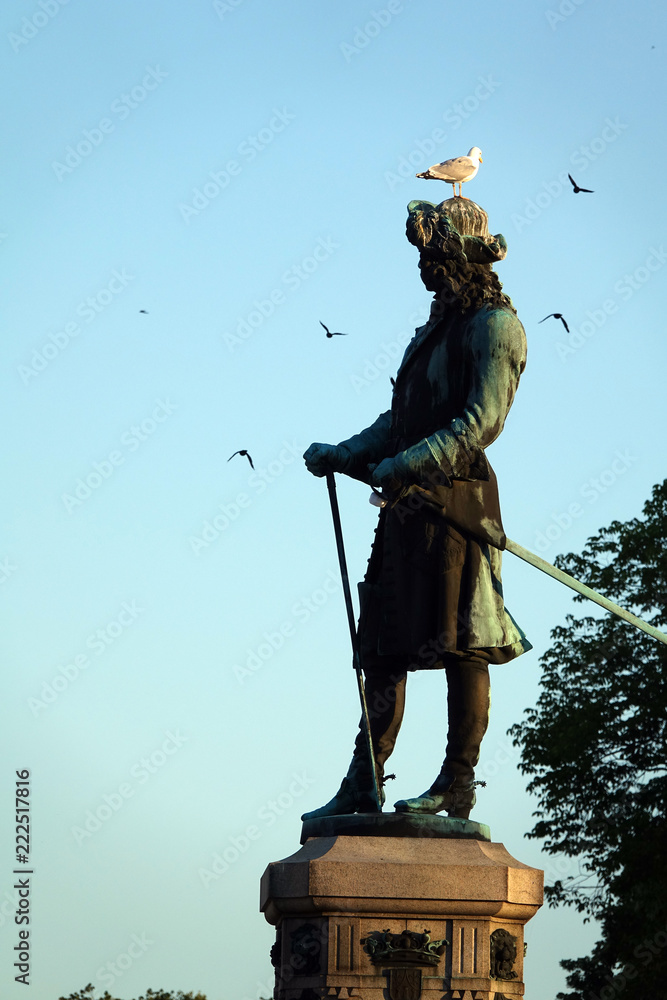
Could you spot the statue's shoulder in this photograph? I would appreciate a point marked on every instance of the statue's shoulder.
(500, 327)
(500, 318)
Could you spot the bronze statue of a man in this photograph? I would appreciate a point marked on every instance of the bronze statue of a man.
(432, 596)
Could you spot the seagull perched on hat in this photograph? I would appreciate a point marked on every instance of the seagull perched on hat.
(457, 170)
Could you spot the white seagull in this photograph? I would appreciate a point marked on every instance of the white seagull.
(457, 170)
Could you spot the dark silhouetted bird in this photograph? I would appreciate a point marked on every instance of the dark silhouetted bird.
(242, 451)
(576, 187)
(557, 316)
(330, 334)
(144, 311)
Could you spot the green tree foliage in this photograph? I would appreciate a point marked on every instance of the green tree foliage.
(88, 993)
(595, 747)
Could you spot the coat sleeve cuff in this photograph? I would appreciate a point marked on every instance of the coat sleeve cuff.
(449, 454)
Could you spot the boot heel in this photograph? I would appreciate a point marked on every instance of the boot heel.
(462, 805)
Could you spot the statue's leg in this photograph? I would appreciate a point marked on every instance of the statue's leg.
(384, 682)
(385, 696)
(468, 704)
(468, 701)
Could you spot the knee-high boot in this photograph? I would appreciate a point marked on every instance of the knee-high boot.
(468, 700)
(385, 697)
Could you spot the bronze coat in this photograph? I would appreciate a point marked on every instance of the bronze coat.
(433, 586)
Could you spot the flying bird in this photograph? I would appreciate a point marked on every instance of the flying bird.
(144, 311)
(242, 451)
(576, 187)
(329, 333)
(557, 316)
(456, 171)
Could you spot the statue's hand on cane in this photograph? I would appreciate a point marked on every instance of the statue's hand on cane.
(323, 458)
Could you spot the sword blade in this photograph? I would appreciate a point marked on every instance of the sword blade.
(581, 588)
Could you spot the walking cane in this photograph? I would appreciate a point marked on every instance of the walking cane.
(356, 659)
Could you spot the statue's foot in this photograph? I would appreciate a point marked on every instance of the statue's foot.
(348, 799)
(442, 796)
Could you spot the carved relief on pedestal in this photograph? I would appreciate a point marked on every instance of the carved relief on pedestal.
(306, 949)
(405, 954)
(503, 955)
(406, 948)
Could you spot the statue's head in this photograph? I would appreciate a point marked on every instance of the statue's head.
(456, 251)
(456, 229)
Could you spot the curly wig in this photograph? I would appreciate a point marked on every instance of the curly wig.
(464, 285)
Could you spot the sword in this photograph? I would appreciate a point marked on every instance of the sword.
(378, 499)
(581, 588)
(356, 659)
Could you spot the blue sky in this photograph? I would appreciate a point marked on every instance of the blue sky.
(175, 643)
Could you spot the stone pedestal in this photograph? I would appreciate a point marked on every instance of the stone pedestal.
(342, 906)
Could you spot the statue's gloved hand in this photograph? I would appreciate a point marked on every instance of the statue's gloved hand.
(323, 458)
(417, 464)
(387, 476)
